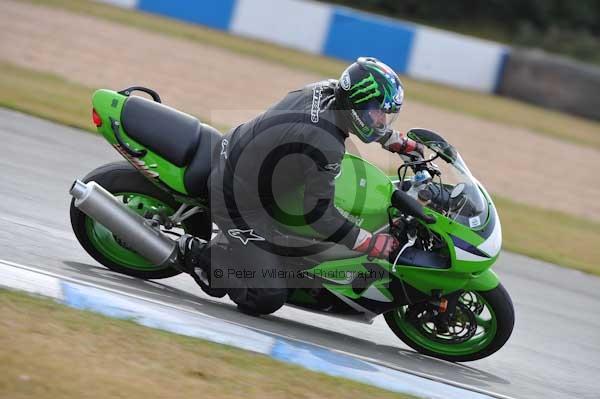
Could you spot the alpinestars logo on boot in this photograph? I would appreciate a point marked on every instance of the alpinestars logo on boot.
(245, 235)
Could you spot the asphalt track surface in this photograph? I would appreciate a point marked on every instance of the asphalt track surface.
(554, 351)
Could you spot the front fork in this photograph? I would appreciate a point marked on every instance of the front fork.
(443, 308)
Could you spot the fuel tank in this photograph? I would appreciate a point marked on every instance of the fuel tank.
(362, 195)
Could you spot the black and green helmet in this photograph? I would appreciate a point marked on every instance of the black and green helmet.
(369, 95)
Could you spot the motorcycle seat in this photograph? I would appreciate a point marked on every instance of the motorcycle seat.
(198, 171)
(169, 133)
(178, 137)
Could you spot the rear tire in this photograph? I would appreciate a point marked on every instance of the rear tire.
(500, 329)
(121, 177)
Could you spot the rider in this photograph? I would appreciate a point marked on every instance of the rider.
(300, 141)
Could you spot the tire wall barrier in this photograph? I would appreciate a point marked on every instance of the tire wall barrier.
(552, 82)
(411, 49)
(344, 33)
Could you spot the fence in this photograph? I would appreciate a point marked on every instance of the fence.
(412, 49)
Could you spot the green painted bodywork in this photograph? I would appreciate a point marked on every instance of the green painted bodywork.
(423, 279)
(369, 205)
(484, 281)
(109, 104)
(362, 194)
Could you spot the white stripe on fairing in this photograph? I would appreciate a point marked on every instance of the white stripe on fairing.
(492, 245)
(467, 256)
(375, 294)
(29, 281)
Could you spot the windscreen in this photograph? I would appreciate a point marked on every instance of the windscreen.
(455, 193)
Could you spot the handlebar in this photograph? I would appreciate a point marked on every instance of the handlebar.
(409, 205)
(417, 164)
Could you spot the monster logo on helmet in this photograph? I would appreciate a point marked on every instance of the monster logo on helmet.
(370, 96)
(365, 90)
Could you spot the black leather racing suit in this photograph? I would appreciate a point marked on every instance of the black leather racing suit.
(295, 143)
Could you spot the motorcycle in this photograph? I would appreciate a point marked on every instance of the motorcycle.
(437, 292)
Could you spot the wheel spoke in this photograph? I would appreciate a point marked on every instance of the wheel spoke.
(484, 323)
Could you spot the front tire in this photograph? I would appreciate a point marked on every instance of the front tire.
(140, 195)
(491, 311)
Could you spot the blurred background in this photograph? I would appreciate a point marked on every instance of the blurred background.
(570, 28)
(513, 85)
(555, 44)
(225, 61)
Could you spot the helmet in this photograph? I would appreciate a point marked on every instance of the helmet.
(369, 96)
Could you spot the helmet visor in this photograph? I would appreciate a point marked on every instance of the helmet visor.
(378, 120)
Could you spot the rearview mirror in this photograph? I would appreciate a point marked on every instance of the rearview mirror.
(434, 142)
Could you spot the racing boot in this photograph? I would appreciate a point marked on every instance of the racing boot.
(195, 260)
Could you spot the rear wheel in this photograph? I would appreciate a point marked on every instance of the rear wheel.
(482, 323)
(136, 192)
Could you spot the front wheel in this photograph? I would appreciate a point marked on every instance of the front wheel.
(137, 193)
(482, 323)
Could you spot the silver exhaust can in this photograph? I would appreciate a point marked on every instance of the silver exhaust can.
(96, 202)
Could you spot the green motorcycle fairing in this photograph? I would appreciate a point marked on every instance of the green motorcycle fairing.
(362, 194)
(469, 265)
(108, 104)
(466, 271)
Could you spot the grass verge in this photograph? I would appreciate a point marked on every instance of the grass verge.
(549, 235)
(52, 351)
(552, 236)
(494, 108)
(46, 96)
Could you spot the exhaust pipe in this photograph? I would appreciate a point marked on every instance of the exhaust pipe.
(93, 200)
